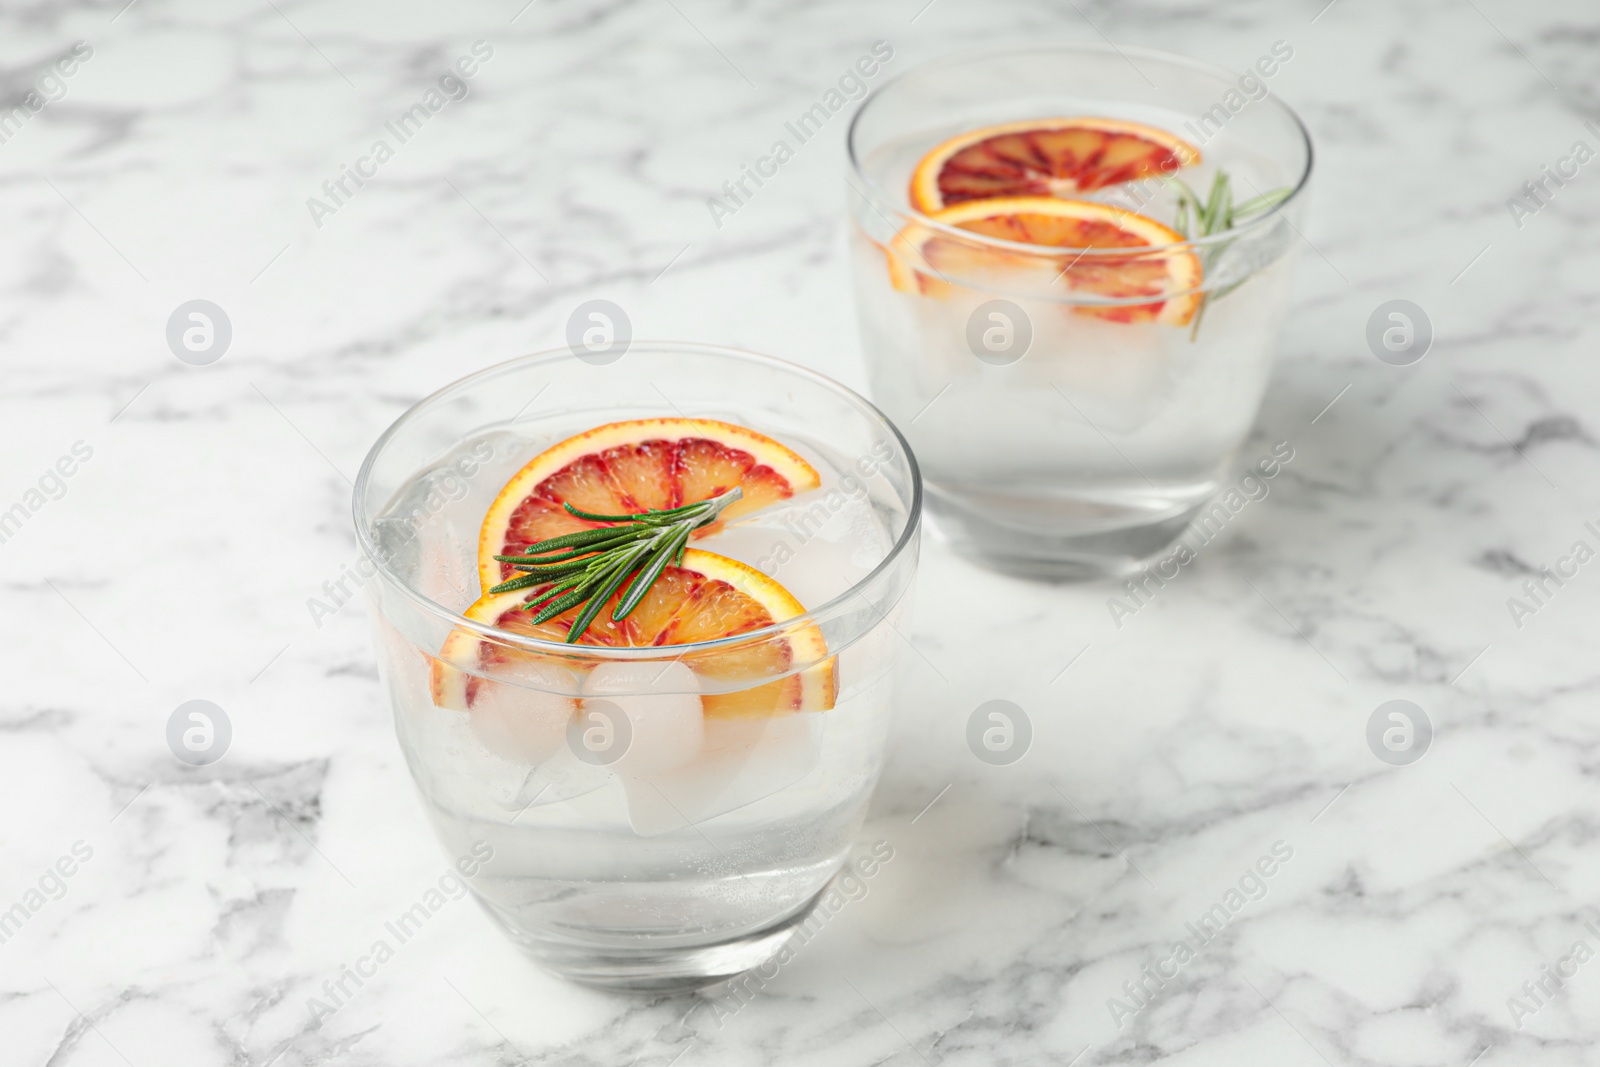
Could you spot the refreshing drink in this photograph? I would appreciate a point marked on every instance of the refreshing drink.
(1069, 292)
(664, 793)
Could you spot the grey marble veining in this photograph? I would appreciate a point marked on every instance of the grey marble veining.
(1031, 913)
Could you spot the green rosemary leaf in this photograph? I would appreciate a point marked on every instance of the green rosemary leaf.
(683, 545)
(552, 608)
(1185, 193)
(592, 517)
(513, 584)
(615, 574)
(1216, 203)
(579, 538)
(1265, 202)
(648, 574)
(587, 567)
(539, 559)
(1217, 214)
(648, 516)
(550, 574)
(1180, 220)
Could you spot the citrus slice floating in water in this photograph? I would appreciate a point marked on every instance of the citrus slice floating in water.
(1151, 284)
(627, 468)
(706, 598)
(1065, 157)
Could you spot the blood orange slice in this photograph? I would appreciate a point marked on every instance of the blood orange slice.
(1169, 279)
(1044, 157)
(626, 468)
(707, 597)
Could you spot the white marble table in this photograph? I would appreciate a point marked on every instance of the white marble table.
(207, 504)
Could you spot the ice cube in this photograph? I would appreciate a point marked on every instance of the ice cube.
(662, 707)
(522, 715)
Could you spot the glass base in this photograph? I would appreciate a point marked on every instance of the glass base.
(1055, 556)
(647, 968)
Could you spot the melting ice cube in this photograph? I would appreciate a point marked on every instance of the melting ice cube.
(661, 705)
(522, 715)
(740, 762)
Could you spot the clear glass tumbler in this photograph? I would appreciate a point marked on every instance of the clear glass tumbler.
(1073, 408)
(637, 862)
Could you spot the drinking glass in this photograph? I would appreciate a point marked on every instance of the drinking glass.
(605, 860)
(1061, 434)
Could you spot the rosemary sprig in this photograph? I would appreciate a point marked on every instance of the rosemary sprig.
(589, 566)
(1217, 213)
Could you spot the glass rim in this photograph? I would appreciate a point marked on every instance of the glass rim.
(879, 196)
(811, 617)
